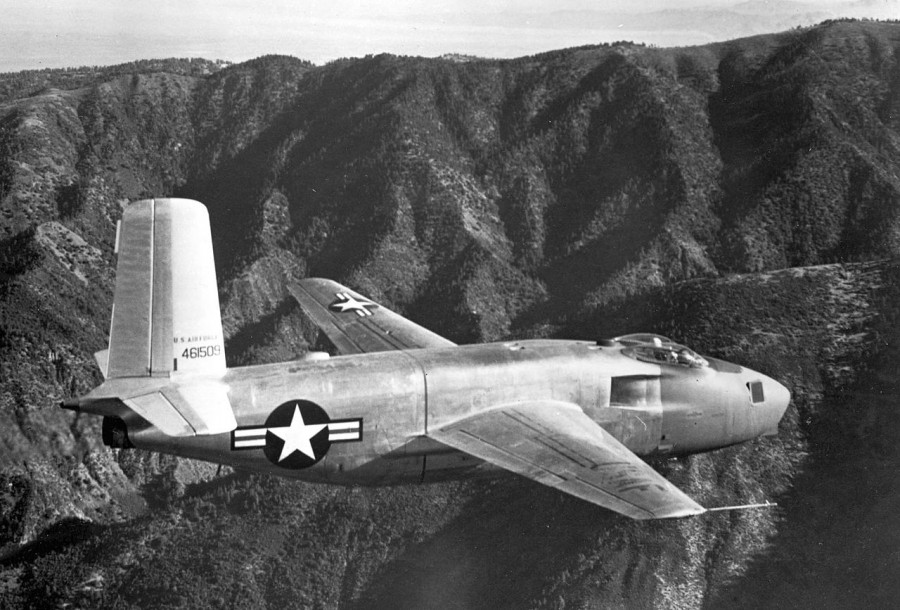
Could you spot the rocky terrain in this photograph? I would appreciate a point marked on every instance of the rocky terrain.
(742, 197)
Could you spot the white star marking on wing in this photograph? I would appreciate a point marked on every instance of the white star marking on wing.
(351, 304)
(296, 437)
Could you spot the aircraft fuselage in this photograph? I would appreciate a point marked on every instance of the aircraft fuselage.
(362, 419)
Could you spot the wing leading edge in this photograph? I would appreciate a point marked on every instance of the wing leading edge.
(356, 324)
(556, 444)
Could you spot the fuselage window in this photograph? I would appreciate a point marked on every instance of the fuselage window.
(629, 391)
(756, 392)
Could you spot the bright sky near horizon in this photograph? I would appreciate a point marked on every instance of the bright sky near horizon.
(62, 33)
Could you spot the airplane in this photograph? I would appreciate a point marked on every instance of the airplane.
(398, 403)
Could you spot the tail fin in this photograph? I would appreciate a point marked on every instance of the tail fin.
(166, 310)
(166, 320)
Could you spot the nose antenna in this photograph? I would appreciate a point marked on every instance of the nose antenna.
(765, 504)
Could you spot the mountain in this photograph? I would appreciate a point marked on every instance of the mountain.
(743, 197)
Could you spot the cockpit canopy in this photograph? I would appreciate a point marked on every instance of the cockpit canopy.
(644, 339)
(660, 350)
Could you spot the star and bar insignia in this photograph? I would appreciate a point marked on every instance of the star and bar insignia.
(347, 302)
(297, 434)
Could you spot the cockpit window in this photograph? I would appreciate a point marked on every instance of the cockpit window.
(673, 354)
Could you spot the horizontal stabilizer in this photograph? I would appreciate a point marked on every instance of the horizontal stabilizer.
(160, 412)
(556, 444)
(200, 408)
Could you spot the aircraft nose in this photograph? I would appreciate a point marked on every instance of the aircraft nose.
(778, 398)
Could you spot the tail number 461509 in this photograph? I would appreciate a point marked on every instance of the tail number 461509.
(204, 351)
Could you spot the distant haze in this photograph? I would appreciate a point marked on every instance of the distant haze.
(64, 33)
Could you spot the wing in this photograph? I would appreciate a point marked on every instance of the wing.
(355, 324)
(556, 444)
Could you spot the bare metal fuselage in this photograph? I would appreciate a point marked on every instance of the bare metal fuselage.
(401, 395)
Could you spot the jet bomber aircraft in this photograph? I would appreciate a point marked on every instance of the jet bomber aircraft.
(398, 403)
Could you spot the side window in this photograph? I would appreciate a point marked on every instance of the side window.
(756, 392)
(628, 391)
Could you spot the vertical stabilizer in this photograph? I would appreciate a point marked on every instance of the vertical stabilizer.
(166, 310)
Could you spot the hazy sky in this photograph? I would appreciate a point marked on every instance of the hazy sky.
(59, 33)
